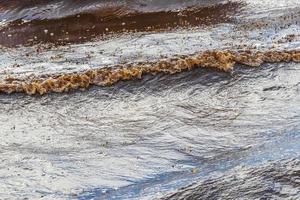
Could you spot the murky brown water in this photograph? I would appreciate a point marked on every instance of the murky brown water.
(225, 125)
(86, 25)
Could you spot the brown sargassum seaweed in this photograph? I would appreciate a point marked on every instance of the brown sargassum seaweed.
(221, 60)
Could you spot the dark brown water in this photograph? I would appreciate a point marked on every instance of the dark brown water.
(76, 22)
(203, 133)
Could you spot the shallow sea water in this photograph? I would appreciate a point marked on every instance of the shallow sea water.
(200, 134)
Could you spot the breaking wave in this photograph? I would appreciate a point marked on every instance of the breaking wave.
(108, 76)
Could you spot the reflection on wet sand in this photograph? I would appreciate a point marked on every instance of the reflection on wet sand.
(87, 26)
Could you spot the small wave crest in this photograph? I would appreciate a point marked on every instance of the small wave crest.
(43, 9)
(222, 60)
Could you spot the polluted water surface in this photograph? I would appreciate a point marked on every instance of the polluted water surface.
(132, 99)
